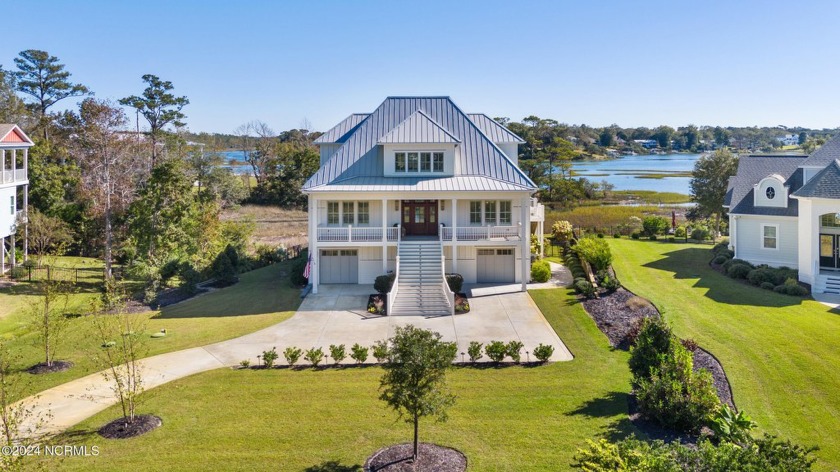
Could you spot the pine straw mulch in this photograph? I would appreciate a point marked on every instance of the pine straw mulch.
(119, 429)
(431, 457)
(43, 368)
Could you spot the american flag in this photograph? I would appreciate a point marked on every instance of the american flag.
(308, 265)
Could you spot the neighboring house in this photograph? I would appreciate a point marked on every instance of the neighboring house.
(419, 188)
(784, 210)
(14, 191)
(789, 139)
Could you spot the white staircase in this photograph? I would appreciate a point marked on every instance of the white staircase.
(827, 284)
(420, 288)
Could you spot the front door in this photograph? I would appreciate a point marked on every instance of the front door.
(420, 218)
(829, 249)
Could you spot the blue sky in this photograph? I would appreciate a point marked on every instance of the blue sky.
(640, 63)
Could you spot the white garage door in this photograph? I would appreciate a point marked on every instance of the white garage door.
(339, 266)
(495, 265)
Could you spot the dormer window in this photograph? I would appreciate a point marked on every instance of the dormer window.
(770, 193)
(418, 162)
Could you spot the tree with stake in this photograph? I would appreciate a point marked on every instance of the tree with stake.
(414, 382)
(47, 318)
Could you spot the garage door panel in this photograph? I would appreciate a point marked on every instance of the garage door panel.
(339, 266)
(495, 266)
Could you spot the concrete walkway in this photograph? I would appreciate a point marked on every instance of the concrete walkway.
(334, 316)
(830, 300)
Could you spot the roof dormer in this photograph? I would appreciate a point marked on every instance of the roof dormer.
(771, 191)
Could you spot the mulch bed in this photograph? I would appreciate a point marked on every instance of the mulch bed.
(617, 318)
(705, 360)
(43, 368)
(119, 429)
(171, 297)
(431, 457)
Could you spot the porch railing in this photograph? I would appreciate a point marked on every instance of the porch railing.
(10, 175)
(479, 233)
(357, 233)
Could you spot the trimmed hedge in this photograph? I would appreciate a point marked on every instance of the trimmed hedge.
(738, 271)
(540, 271)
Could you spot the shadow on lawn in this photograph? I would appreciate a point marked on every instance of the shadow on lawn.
(333, 466)
(612, 404)
(693, 263)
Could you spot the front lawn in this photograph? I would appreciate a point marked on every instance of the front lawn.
(262, 297)
(513, 418)
(781, 353)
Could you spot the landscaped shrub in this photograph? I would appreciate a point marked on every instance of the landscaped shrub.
(594, 251)
(738, 271)
(731, 262)
(689, 344)
(652, 237)
(600, 235)
(562, 231)
(680, 232)
(190, 277)
(791, 287)
(732, 427)
(610, 284)
(338, 353)
(675, 396)
(314, 356)
(585, 288)
(359, 353)
(269, 357)
(496, 351)
(474, 351)
(384, 283)
(380, 350)
(18, 272)
(617, 235)
(514, 350)
(652, 343)
(717, 248)
(267, 255)
(455, 282)
(572, 262)
(540, 271)
(245, 363)
(767, 285)
(635, 235)
(292, 355)
(224, 270)
(653, 225)
(700, 234)
(543, 352)
(298, 266)
(719, 260)
(763, 274)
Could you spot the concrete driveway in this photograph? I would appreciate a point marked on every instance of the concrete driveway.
(336, 315)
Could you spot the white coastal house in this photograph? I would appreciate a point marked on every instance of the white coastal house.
(420, 188)
(784, 210)
(14, 191)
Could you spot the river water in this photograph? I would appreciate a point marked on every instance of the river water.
(627, 172)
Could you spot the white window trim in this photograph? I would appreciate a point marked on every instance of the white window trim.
(761, 242)
(498, 214)
(355, 213)
(432, 152)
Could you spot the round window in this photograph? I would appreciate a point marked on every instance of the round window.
(770, 192)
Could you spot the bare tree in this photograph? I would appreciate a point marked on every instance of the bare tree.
(258, 143)
(109, 172)
(47, 316)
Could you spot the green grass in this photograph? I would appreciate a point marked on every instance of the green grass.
(514, 418)
(781, 353)
(649, 196)
(262, 297)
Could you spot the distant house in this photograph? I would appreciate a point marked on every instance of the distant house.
(647, 143)
(419, 188)
(784, 210)
(14, 191)
(789, 139)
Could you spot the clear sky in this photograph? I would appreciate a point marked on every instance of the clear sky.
(634, 63)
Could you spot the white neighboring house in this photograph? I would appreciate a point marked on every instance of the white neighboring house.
(785, 211)
(420, 188)
(14, 190)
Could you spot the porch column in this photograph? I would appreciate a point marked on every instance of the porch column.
(2, 166)
(26, 221)
(313, 243)
(384, 235)
(454, 235)
(525, 249)
(14, 164)
(3, 255)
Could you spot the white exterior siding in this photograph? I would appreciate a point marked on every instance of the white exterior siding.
(780, 193)
(7, 215)
(749, 240)
(448, 158)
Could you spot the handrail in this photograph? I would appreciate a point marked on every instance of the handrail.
(450, 295)
(392, 295)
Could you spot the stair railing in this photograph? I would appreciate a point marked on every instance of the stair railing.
(392, 295)
(450, 295)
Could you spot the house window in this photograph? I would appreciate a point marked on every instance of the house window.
(399, 162)
(437, 162)
(770, 238)
(830, 220)
(475, 213)
(12, 200)
(347, 209)
(504, 212)
(770, 192)
(412, 162)
(425, 162)
(363, 215)
(490, 212)
(332, 213)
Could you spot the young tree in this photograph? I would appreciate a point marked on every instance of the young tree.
(159, 107)
(47, 234)
(47, 316)
(414, 382)
(42, 77)
(709, 182)
(108, 170)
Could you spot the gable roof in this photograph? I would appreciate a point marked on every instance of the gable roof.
(360, 155)
(751, 171)
(11, 135)
(826, 184)
(825, 155)
(494, 130)
(418, 128)
(339, 132)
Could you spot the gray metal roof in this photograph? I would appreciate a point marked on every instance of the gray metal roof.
(826, 154)
(493, 129)
(418, 128)
(341, 130)
(751, 170)
(419, 184)
(826, 184)
(360, 155)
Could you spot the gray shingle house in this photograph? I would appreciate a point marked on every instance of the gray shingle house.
(420, 188)
(785, 211)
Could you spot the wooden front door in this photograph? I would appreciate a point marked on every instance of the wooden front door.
(420, 217)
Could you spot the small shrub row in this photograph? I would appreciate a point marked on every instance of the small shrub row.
(572, 262)
(594, 251)
(584, 287)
